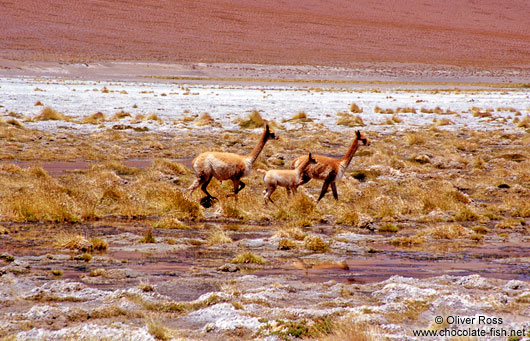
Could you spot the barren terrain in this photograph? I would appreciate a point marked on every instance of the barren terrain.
(468, 33)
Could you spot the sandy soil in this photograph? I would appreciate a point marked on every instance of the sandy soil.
(467, 33)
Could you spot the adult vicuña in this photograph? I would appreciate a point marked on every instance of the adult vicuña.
(225, 166)
(330, 169)
(288, 178)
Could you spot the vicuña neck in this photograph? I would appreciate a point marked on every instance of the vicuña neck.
(259, 147)
(351, 151)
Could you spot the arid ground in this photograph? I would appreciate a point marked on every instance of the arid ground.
(103, 105)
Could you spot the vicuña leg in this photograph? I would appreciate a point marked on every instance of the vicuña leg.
(329, 180)
(334, 190)
(205, 184)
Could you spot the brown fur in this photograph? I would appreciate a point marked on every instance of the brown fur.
(288, 178)
(330, 169)
(226, 166)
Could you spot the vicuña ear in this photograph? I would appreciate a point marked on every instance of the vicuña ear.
(358, 134)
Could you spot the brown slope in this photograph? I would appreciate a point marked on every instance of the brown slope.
(337, 32)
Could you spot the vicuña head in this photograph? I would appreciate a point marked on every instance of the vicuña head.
(288, 178)
(226, 166)
(330, 169)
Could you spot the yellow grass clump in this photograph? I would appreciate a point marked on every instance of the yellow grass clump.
(120, 115)
(50, 114)
(218, 237)
(354, 108)
(300, 117)
(72, 241)
(254, 121)
(248, 258)
(153, 117)
(524, 122)
(349, 120)
(451, 231)
(206, 120)
(315, 243)
(95, 118)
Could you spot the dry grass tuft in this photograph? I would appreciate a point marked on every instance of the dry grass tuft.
(171, 166)
(349, 330)
(95, 118)
(248, 258)
(315, 243)
(120, 115)
(158, 331)
(524, 122)
(170, 222)
(218, 237)
(15, 123)
(388, 227)
(99, 244)
(148, 237)
(414, 138)
(72, 242)
(50, 114)
(206, 120)
(254, 121)
(296, 208)
(154, 117)
(300, 117)
(408, 241)
(286, 244)
(451, 231)
(354, 108)
(349, 120)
